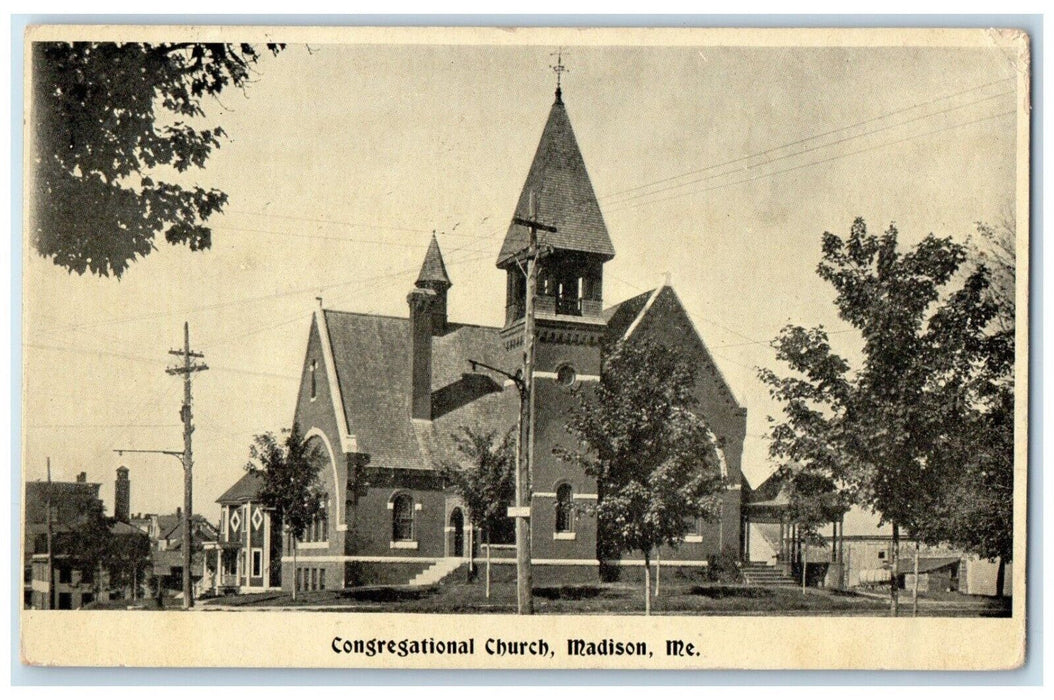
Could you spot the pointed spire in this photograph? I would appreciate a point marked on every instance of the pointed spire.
(433, 270)
(563, 194)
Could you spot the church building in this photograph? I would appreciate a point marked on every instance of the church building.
(381, 396)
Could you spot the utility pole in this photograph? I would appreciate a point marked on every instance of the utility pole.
(51, 556)
(187, 369)
(525, 442)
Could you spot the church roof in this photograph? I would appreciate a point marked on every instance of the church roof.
(433, 269)
(563, 195)
(371, 355)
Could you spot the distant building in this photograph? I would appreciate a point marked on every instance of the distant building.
(122, 496)
(166, 558)
(72, 505)
(856, 551)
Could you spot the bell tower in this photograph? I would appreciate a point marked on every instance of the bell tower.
(569, 326)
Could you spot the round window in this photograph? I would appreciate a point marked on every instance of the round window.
(566, 375)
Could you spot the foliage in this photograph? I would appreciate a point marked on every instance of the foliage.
(290, 473)
(892, 433)
(127, 558)
(723, 567)
(995, 248)
(484, 475)
(89, 541)
(108, 121)
(655, 460)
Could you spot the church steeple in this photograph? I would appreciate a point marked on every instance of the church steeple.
(570, 276)
(433, 277)
(563, 193)
(433, 270)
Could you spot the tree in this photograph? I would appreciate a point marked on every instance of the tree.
(888, 434)
(126, 559)
(291, 485)
(979, 509)
(655, 460)
(995, 248)
(813, 500)
(88, 541)
(483, 474)
(111, 122)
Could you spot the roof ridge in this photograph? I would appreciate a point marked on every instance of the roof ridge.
(363, 314)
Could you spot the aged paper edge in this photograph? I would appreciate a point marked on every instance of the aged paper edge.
(148, 639)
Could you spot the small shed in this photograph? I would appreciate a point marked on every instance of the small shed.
(935, 573)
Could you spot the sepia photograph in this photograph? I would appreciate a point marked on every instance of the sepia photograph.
(525, 348)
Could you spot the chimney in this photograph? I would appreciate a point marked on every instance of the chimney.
(122, 495)
(422, 302)
(179, 512)
(82, 478)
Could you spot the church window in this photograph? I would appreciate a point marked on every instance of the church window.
(314, 379)
(403, 518)
(564, 509)
(566, 375)
(321, 579)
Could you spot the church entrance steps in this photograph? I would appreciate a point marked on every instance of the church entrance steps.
(437, 572)
(758, 574)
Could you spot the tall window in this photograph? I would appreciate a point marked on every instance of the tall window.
(402, 518)
(314, 380)
(564, 513)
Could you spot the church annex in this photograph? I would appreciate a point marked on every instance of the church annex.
(382, 395)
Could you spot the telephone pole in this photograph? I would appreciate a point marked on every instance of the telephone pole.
(525, 437)
(51, 556)
(187, 369)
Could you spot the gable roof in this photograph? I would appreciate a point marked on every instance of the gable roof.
(244, 489)
(371, 357)
(624, 319)
(563, 195)
(433, 269)
(926, 564)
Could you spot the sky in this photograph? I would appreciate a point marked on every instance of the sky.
(720, 166)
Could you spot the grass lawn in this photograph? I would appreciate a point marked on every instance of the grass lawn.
(617, 598)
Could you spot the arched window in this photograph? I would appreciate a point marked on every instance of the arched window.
(564, 512)
(402, 518)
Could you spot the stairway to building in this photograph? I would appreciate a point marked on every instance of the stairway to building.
(437, 572)
(762, 574)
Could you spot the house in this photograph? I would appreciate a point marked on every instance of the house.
(76, 513)
(852, 551)
(247, 553)
(166, 556)
(380, 396)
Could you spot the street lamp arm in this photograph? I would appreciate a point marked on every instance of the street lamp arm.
(516, 378)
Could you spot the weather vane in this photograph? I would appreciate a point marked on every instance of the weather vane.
(559, 68)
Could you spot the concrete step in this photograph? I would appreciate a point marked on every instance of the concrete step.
(437, 572)
(764, 575)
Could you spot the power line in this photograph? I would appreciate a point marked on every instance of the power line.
(350, 224)
(619, 205)
(149, 360)
(818, 162)
(807, 139)
(812, 148)
(102, 425)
